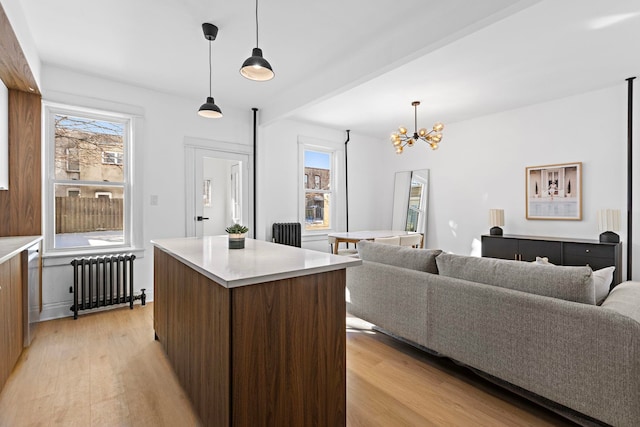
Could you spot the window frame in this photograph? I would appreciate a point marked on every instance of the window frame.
(132, 210)
(335, 150)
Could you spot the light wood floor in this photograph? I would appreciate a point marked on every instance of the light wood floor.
(105, 369)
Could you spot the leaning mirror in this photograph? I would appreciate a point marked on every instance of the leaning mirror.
(410, 200)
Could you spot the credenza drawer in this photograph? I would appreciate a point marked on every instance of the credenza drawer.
(596, 263)
(572, 250)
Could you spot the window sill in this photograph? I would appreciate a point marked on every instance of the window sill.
(316, 237)
(64, 258)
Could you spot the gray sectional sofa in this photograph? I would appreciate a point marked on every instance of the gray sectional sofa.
(531, 326)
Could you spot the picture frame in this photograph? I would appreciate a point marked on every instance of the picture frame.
(554, 191)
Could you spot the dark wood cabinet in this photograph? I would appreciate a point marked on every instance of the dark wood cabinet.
(271, 353)
(559, 251)
(11, 322)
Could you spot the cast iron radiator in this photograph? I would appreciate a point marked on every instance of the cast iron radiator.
(103, 280)
(287, 233)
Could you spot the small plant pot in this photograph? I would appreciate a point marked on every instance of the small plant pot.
(236, 241)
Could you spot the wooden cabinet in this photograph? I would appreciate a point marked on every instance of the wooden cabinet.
(559, 251)
(11, 312)
(271, 353)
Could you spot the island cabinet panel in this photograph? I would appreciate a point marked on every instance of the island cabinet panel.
(289, 343)
(160, 285)
(265, 354)
(192, 320)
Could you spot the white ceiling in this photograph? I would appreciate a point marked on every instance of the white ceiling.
(353, 64)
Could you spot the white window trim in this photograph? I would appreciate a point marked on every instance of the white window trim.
(133, 191)
(103, 193)
(336, 150)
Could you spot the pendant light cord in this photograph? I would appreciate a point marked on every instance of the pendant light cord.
(415, 119)
(257, 44)
(209, 68)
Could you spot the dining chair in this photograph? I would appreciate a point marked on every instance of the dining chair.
(412, 240)
(395, 240)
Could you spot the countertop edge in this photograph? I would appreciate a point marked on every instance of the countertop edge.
(21, 243)
(353, 262)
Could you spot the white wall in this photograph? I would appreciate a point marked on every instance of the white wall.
(279, 179)
(481, 165)
(167, 120)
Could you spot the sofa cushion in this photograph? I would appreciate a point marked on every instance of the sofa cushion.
(400, 256)
(625, 299)
(568, 283)
(602, 282)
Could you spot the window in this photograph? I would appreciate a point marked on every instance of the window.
(111, 158)
(73, 162)
(73, 192)
(89, 179)
(318, 200)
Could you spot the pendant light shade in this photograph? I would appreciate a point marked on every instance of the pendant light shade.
(209, 109)
(256, 67)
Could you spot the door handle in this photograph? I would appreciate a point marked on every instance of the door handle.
(201, 218)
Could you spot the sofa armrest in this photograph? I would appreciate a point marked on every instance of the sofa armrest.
(625, 299)
(393, 298)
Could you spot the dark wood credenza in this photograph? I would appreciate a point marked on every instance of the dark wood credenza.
(559, 251)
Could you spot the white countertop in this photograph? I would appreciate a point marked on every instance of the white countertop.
(10, 246)
(258, 262)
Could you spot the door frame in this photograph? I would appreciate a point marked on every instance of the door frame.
(198, 148)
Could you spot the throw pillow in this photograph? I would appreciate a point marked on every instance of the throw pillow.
(568, 283)
(400, 256)
(602, 280)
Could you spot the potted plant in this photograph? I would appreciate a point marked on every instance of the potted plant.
(237, 234)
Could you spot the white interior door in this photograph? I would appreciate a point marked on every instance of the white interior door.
(217, 190)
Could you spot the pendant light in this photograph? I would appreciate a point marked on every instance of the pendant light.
(256, 67)
(209, 109)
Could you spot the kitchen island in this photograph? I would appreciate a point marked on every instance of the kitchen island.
(256, 336)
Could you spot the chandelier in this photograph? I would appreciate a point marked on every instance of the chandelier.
(432, 137)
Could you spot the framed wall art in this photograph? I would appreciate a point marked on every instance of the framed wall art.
(554, 191)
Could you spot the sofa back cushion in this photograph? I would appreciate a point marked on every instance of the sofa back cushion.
(400, 256)
(568, 283)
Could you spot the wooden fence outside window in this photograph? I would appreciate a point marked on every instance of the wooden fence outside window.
(83, 214)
